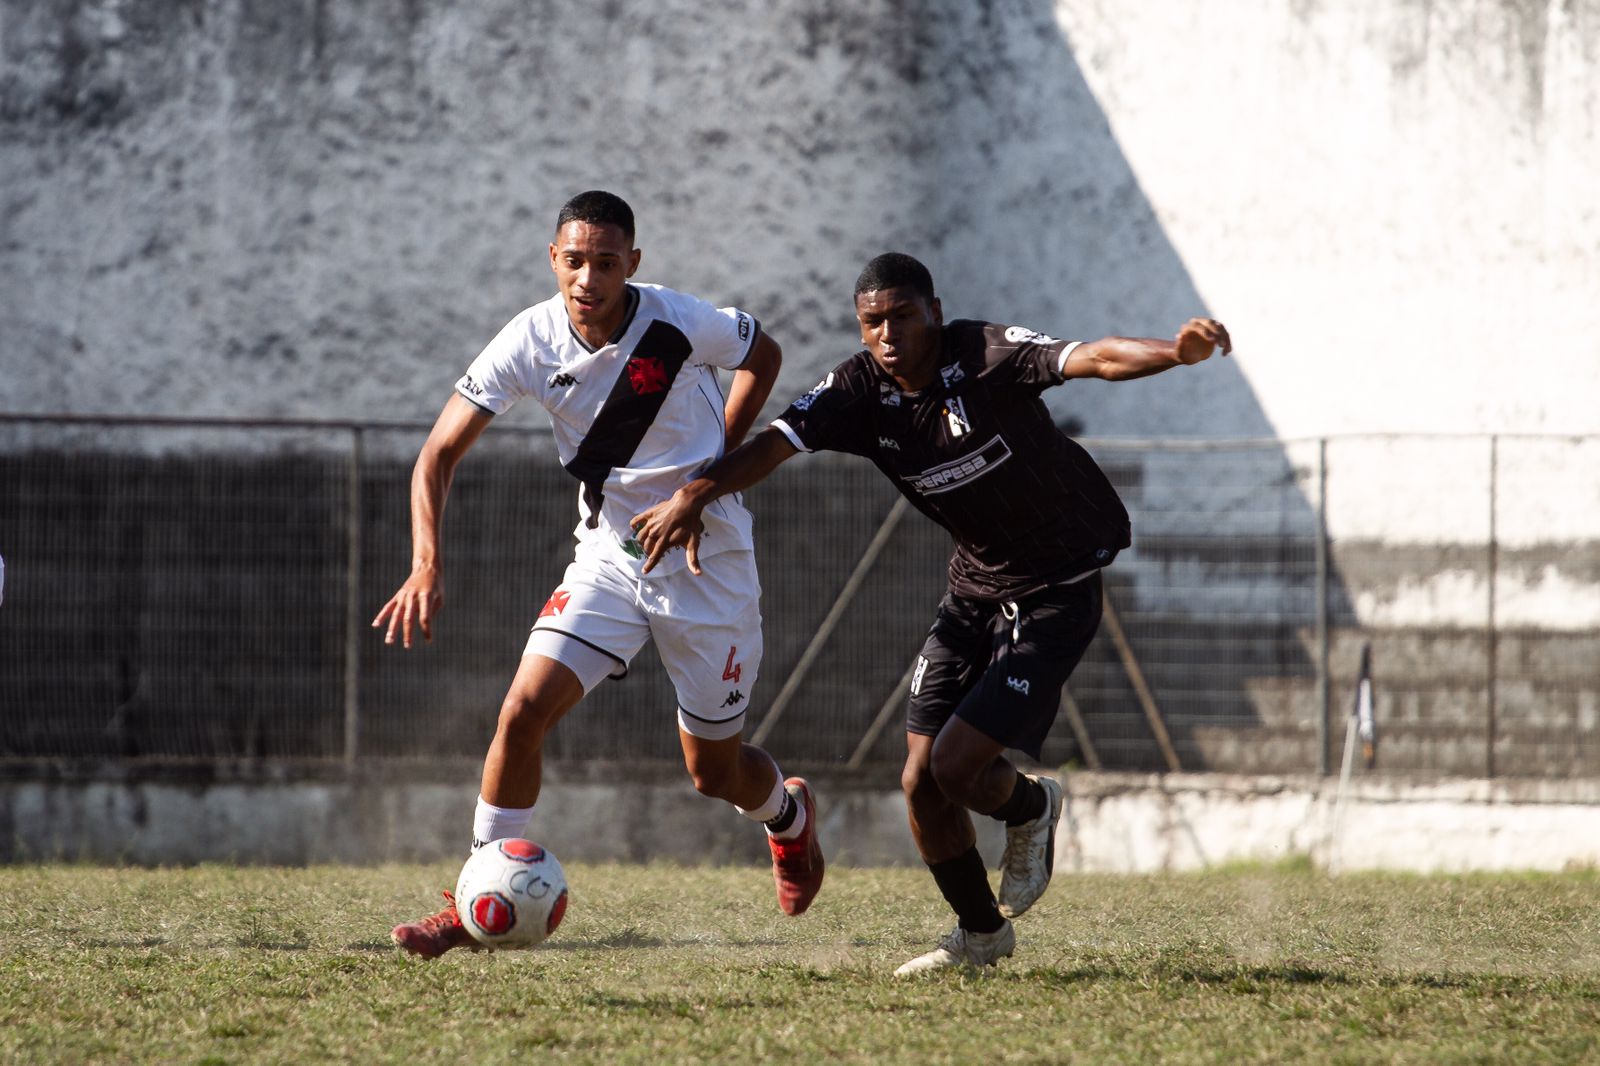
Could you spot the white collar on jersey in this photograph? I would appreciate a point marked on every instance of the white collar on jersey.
(616, 334)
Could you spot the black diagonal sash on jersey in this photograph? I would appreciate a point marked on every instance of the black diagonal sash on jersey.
(635, 400)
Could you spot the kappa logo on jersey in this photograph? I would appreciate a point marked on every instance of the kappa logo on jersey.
(733, 670)
(889, 443)
(1017, 684)
(1022, 334)
(733, 697)
(952, 374)
(562, 381)
(804, 403)
(955, 413)
(556, 603)
(471, 386)
(947, 476)
(647, 375)
(888, 395)
(744, 326)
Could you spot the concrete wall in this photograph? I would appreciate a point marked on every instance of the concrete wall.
(234, 208)
(1112, 823)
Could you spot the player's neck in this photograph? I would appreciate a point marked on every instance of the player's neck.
(596, 334)
(924, 374)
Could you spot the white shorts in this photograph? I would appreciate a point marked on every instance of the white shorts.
(707, 630)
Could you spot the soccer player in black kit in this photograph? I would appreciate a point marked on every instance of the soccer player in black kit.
(951, 413)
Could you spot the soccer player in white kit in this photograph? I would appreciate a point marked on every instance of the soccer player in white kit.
(628, 374)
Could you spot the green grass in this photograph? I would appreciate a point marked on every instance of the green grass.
(664, 964)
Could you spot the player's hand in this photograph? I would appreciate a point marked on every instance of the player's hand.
(417, 601)
(673, 523)
(1199, 337)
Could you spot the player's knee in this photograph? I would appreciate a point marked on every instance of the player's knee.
(524, 722)
(715, 781)
(914, 777)
(952, 773)
(918, 784)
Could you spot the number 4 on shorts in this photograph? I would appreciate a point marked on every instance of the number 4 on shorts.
(732, 671)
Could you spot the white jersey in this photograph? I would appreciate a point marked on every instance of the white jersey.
(634, 420)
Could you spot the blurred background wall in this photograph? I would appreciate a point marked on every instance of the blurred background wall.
(224, 207)
(252, 211)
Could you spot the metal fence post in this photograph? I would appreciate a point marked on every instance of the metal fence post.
(1491, 667)
(352, 602)
(1323, 701)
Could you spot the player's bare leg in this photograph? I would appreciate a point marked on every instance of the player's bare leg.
(947, 842)
(747, 777)
(542, 692)
(971, 770)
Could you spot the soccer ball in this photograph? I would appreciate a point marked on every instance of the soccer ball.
(511, 894)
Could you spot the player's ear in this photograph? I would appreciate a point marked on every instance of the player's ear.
(552, 255)
(633, 261)
(938, 312)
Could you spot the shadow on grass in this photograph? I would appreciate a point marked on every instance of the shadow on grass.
(1247, 980)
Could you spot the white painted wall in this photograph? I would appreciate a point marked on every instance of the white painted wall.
(1394, 204)
(1112, 823)
(324, 210)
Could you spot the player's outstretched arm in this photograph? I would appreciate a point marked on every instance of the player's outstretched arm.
(1123, 358)
(675, 522)
(420, 598)
(752, 384)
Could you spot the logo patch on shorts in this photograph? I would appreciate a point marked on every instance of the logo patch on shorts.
(1017, 684)
(916, 676)
(556, 603)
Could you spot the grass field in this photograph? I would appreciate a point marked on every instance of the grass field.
(664, 964)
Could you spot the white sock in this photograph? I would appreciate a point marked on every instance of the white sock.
(774, 807)
(496, 823)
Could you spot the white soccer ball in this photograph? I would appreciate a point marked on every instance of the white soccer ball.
(511, 894)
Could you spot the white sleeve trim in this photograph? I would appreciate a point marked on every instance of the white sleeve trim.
(783, 427)
(1066, 353)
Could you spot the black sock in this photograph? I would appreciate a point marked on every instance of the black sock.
(964, 881)
(785, 816)
(1027, 802)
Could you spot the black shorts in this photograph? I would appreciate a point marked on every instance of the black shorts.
(999, 667)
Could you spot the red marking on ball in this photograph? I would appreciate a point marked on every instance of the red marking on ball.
(521, 850)
(557, 912)
(493, 913)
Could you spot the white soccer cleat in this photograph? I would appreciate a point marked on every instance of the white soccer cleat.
(1030, 856)
(962, 947)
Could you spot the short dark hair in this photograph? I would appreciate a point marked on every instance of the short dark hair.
(598, 208)
(892, 270)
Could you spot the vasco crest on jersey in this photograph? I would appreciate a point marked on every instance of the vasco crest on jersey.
(955, 415)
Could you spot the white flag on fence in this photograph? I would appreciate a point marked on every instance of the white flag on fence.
(1366, 728)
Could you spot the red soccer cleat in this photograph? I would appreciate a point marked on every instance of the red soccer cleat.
(436, 934)
(797, 863)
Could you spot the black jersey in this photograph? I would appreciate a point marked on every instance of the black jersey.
(978, 453)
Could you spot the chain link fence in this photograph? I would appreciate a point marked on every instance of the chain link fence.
(201, 591)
